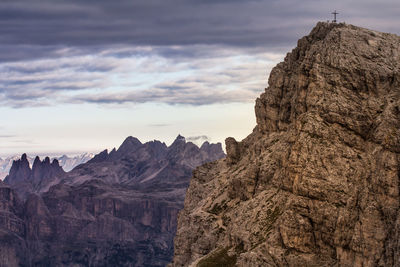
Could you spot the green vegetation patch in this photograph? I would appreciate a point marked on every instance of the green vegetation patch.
(219, 258)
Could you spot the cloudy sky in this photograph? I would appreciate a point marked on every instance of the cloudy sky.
(81, 75)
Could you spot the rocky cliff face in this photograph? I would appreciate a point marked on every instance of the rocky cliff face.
(12, 228)
(119, 209)
(317, 182)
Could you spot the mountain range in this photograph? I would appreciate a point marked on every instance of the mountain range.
(316, 183)
(118, 209)
(66, 162)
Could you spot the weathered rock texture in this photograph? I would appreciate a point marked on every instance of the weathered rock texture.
(12, 228)
(119, 209)
(317, 182)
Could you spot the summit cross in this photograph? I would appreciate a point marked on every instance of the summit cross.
(334, 16)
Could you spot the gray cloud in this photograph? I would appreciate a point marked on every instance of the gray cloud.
(7, 136)
(30, 142)
(74, 51)
(39, 28)
(18, 95)
(159, 125)
(198, 138)
(189, 96)
(101, 78)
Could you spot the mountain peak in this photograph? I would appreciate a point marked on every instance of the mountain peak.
(308, 186)
(131, 141)
(102, 156)
(20, 171)
(36, 162)
(180, 137)
(47, 161)
(360, 61)
(206, 145)
(55, 163)
(130, 144)
(178, 140)
(24, 157)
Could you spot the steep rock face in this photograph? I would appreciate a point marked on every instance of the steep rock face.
(317, 182)
(97, 224)
(13, 249)
(25, 180)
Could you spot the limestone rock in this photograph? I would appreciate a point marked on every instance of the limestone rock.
(317, 182)
(232, 150)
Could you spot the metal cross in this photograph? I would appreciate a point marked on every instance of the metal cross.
(334, 16)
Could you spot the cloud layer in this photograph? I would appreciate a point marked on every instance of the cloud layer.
(170, 51)
(143, 22)
(249, 23)
(120, 76)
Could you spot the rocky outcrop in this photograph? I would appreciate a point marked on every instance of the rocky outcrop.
(317, 182)
(25, 180)
(118, 209)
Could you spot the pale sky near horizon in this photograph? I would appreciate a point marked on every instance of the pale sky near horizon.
(80, 75)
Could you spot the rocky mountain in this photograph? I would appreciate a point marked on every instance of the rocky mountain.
(66, 162)
(25, 180)
(118, 209)
(317, 181)
(151, 165)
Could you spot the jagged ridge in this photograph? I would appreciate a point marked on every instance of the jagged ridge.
(36, 180)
